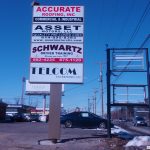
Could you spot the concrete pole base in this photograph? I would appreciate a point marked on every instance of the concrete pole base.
(48, 142)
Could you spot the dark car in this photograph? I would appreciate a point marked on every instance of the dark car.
(34, 118)
(139, 121)
(8, 119)
(83, 119)
(19, 118)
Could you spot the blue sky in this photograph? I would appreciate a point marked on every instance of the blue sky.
(109, 22)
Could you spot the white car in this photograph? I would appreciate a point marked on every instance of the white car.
(43, 118)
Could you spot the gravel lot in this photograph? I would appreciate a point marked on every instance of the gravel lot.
(25, 136)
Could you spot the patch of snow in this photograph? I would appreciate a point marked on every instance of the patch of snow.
(117, 130)
(122, 133)
(139, 141)
(114, 130)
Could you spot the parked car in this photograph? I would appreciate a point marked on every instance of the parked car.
(26, 117)
(34, 118)
(83, 119)
(8, 119)
(139, 121)
(19, 118)
(43, 118)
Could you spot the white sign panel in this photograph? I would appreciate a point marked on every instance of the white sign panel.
(58, 14)
(57, 37)
(38, 89)
(57, 28)
(56, 72)
(56, 52)
(58, 19)
(57, 33)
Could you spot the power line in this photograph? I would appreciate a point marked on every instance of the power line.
(76, 87)
(113, 19)
(141, 20)
(126, 20)
(145, 41)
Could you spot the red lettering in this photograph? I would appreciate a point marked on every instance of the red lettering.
(78, 9)
(70, 14)
(38, 9)
(44, 9)
(67, 9)
(58, 9)
(50, 9)
(73, 9)
(62, 9)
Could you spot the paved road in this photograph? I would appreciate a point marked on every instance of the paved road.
(25, 136)
(140, 130)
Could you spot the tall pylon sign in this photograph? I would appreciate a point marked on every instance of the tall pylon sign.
(57, 44)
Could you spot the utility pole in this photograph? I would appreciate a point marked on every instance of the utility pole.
(88, 104)
(101, 89)
(94, 102)
(22, 94)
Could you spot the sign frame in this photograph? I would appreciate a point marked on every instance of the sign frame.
(66, 26)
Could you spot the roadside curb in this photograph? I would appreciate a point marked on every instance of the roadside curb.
(139, 130)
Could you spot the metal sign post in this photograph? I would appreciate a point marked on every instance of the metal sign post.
(127, 93)
(108, 95)
(54, 112)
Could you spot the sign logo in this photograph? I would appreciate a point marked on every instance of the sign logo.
(58, 28)
(54, 71)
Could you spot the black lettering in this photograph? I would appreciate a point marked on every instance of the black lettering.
(68, 48)
(54, 71)
(47, 70)
(72, 71)
(45, 47)
(67, 28)
(79, 50)
(34, 50)
(54, 47)
(40, 70)
(48, 27)
(58, 27)
(76, 27)
(33, 70)
(63, 71)
(62, 47)
(74, 48)
(39, 27)
(40, 48)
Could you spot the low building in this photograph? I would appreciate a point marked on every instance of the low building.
(2, 110)
(13, 109)
(45, 111)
